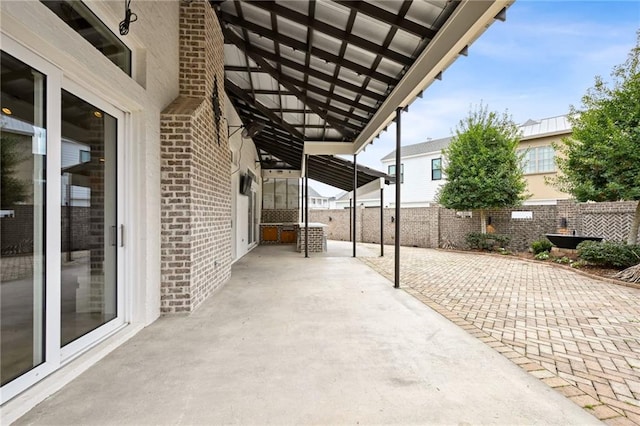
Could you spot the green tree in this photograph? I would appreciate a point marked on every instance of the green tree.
(482, 167)
(12, 189)
(601, 160)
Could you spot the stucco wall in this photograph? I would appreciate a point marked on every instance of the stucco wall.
(537, 183)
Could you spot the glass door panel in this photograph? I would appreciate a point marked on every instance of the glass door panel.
(22, 218)
(88, 218)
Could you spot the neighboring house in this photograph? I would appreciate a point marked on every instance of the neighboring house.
(539, 161)
(421, 172)
(368, 199)
(74, 188)
(317, 201)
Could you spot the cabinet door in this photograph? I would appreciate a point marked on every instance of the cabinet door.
(270, 233)
(288, 236)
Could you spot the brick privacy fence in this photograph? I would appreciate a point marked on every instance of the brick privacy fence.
(611, 220)
(196, 169)
(433, 227)
(17, 231)
(80, 222)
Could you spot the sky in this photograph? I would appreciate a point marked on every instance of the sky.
(534, 65)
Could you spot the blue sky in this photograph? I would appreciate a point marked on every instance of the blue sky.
(534, 65)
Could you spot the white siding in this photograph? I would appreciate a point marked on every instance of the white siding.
(244, 157)
(418, 189)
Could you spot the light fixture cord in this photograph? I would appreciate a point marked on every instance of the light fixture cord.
(129, 17)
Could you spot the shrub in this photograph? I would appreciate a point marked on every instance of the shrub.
(607, 253)
(541, 245)
(489, 242)
(578, 264)
(543, 255)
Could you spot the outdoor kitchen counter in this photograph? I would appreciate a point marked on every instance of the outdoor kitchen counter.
(317, 237)
(279, 233)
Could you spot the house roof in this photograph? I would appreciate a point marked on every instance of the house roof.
(435, 145)
(315, 194)
(530, 129)
(334, 73)
(371, 195)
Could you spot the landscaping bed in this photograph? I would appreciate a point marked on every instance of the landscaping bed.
(598, 271)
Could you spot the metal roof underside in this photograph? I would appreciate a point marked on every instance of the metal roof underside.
(324, 71)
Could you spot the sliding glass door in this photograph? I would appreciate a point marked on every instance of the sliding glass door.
(61, 236)
(23, 149)
(89, 218)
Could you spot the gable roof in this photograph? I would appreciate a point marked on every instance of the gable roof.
(435, 145)
(315, 194)
(530, 129)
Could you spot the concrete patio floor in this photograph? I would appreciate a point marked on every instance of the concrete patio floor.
(324, 340)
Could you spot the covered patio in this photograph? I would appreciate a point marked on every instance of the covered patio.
(314, 83)
(325, 341)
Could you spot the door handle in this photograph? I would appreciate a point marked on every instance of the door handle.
(113, 236)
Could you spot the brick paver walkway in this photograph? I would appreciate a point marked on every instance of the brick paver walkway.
(578, 334)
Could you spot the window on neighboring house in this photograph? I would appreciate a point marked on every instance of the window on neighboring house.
(436, 169)
(392, 172)
(539, 159)
(83, 21)
(85, 156)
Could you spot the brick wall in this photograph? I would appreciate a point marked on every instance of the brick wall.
(453, 228)
(610, 219)
(280, 216)
(196, 165)
(433, 227)
(317, 240)
(339, 223)
(79, 229)
(17, 231)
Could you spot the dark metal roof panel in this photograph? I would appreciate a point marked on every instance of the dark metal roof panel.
(329, 64)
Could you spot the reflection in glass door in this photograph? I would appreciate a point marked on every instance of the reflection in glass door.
(88, 218)
(22, 218)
